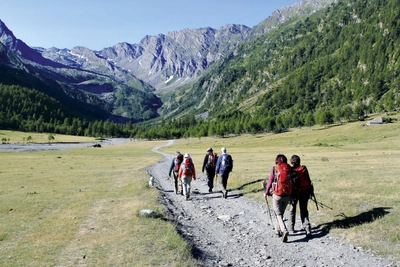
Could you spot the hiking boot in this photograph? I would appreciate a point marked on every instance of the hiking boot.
(308, 232)
(285, 236)
(186, 197)
(226, 194)
(210, 190)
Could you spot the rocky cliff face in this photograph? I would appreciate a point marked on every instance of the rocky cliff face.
(167, 61)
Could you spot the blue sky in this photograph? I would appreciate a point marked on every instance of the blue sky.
(97, 24)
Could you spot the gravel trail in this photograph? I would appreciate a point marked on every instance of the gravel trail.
(236, 231)
(32, 147)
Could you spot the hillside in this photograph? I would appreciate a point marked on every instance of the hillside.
(338, 64)
(98, 89)
(119, 83)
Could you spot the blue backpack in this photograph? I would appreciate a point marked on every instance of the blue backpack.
(226, 163)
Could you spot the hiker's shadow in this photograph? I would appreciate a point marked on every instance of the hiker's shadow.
(243, 186)
(348, 222)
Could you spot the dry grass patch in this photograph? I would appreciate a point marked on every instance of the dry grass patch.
(79, 207)
(14, 137)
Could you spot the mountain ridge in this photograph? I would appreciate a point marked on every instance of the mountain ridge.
(125, 80)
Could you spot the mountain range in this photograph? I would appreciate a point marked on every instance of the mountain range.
(132, 82)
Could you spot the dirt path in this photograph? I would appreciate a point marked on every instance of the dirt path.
(235, 231)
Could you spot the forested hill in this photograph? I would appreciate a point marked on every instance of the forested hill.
(339, 64)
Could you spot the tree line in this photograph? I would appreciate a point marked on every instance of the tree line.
(29, 110)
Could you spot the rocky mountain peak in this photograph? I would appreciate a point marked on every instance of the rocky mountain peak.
(163, 61)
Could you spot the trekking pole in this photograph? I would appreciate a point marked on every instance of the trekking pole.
(317, 203)
(315, 200)
(268, 210)
(266, 200)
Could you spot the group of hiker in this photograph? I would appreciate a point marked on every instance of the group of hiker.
(184, 172)
(287, 184)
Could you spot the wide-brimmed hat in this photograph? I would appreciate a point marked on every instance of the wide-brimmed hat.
(209, 149)
(187, 155)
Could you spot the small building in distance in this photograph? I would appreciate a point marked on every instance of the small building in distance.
(377, 121)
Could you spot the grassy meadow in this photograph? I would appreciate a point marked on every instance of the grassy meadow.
(79, 207)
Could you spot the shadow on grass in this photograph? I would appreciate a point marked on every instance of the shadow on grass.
(348, 222)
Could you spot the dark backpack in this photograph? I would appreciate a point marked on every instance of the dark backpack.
(177, 161)
(282, 185)
(212, 160)
(294, 183)
(187, 166)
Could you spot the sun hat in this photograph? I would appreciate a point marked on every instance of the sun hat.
(209, 149)
(223, 149)
(187, 155)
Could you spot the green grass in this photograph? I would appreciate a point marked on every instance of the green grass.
(80, 207)
(58, 206)
(355, 170)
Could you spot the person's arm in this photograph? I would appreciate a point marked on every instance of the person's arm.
(269, 184)
(180, 171)
(204, 163)
(171, 167)
(194, 172)
(218, 165)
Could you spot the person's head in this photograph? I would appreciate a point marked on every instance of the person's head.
(280, 159)
(295, 161)
(177, 153)
(209, 150)
(187, 155)
(223, 150)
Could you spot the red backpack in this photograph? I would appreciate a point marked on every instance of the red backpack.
(212, 160)
(177, 161)
(187, 166)
(303, 177)
(281, 185)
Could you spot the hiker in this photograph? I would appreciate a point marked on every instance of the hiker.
(279, 188)
(209, 164)
(187, 172)
(174, 168)
(223, 168)
(303, 193)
